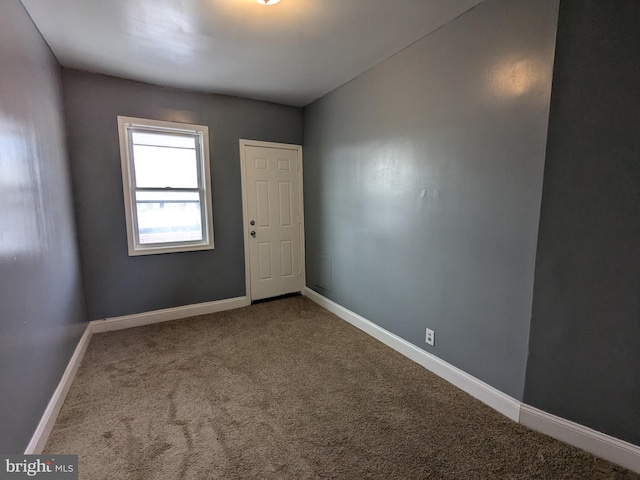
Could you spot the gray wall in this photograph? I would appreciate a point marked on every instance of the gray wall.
(423, 180)
(585, 331)
(41, 297)
(117, 284)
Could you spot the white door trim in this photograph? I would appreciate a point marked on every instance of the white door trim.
(245, 215)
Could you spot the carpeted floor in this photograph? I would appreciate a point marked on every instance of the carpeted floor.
(286, 390)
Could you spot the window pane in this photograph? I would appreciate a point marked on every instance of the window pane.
(163, 140)
(165, 217)
(160, 167)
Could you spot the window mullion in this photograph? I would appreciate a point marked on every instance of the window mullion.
(166, 189)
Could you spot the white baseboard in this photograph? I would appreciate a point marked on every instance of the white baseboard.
(165, 315)
(43, 430)
(493, 397)
(600, 444)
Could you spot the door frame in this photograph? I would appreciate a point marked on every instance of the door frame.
(245, 215)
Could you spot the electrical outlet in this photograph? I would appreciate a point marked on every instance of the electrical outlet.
(431, 337)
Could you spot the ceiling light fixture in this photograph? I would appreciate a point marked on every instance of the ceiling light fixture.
(267, 2)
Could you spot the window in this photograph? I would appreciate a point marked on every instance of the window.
(167, 186)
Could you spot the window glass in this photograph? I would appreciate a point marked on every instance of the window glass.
(165, 167)
(168, 216)
(163, 140)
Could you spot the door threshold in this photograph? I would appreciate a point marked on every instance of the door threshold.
(279, 297)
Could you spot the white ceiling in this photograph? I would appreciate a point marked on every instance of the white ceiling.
(293, 52)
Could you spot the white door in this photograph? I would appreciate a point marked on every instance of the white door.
(272, 220)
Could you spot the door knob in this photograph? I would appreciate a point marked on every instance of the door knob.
(253, 233)
(252, 223)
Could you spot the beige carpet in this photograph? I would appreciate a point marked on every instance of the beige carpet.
(286, 390)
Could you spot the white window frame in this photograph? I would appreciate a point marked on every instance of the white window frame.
(127, 125)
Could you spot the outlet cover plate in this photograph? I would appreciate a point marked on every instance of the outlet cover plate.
(430, 337)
